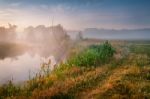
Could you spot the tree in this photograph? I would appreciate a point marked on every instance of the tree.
(79, 36)
(8, 34)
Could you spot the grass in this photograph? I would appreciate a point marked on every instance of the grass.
(124, 74)
(94, 55)
(141, 49)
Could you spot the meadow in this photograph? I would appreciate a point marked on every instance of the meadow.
(94, 70)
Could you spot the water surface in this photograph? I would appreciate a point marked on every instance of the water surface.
(16, 61)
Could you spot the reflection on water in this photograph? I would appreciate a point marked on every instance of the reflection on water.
(18, 59)
(20, 55)
(18, 68)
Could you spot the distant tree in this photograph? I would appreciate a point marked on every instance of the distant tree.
(46, 35)
(60, 34)
(8, 34)
(79, 36)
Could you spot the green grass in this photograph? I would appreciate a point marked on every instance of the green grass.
(95, 73)
(94, 55)
(9, 90)
(140, 49)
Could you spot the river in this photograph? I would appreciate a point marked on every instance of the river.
(17, 60)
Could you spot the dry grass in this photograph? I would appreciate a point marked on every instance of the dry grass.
(69, 83)
(125, 77)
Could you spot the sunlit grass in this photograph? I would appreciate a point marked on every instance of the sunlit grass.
(123, 76)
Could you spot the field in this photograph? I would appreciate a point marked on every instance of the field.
(94, 70)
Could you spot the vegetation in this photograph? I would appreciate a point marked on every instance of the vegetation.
(96, 72)
(94, 55)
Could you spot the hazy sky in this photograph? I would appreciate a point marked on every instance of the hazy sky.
(76, 14)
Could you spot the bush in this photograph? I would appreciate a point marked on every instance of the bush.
(93, 56)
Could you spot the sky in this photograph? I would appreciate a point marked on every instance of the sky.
(76, 14)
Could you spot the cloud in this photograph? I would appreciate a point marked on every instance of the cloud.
(15, 4)
(75, 14)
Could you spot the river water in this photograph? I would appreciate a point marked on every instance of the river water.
(16, 63)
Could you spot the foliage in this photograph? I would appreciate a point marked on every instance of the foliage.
(94, 55)
(124, 76)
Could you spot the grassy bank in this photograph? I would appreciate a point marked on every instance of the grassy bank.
(95, 72)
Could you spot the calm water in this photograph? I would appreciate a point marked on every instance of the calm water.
(17, 66)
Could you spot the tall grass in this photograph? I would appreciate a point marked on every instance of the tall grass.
(9, 90)
(94, 55)
(76, 77)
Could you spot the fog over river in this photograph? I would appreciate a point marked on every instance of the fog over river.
(16, 62)
(22, 57)
(21, 53)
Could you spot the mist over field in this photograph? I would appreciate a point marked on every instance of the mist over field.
(112, 34)
(36, 44)
(74, 49)
(41, 42)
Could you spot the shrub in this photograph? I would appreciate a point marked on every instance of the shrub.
(93, 56)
